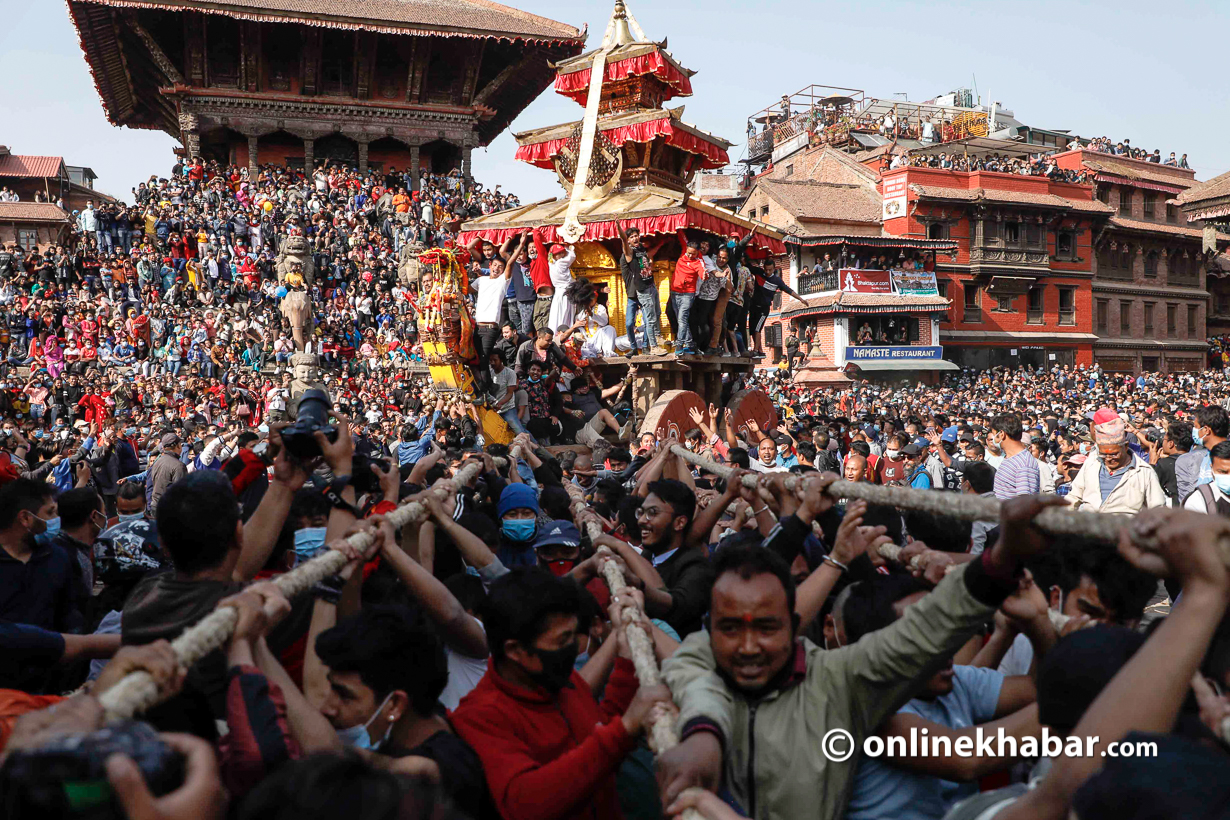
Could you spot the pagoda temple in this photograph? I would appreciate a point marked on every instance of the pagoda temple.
(643, 157)
(369, 83)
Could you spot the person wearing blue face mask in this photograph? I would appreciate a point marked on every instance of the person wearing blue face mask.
(518, 511)
(38, 582)
(309, 513)
(1210, 426)
(386, 671)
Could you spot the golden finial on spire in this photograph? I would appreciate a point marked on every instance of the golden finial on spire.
(622, 35)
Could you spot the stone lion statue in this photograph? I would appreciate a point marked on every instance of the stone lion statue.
(408, 270)
(384, 205)
(295, 251)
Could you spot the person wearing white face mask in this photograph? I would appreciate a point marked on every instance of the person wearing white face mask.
(1214, 498)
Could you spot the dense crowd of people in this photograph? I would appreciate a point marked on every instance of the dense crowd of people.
(1038, 165)
(477, 664)
(1106, 145)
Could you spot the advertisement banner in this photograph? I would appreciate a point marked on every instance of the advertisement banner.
(878, 353)
(864, 281)
(915, 283)
(894, 197)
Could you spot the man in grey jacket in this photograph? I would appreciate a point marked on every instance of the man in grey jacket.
(165, 471)
(759, 707)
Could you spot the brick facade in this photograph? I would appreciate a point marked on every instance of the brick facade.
(1150, 305)
(1029, 301)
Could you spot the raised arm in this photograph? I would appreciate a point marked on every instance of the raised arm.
(1147, 693)
(623, 237)
(503, 251)
(260, 533)
(460, 631)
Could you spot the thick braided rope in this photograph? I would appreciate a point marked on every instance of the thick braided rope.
(1055, 520)
(662, 734)
(138, 692)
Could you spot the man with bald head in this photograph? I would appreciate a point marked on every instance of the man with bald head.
(855, 468)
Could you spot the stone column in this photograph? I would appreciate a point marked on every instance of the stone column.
(309, 156)
(465, 166)
(253, 146)
(362, 157)
(414, 167)
(189, 128)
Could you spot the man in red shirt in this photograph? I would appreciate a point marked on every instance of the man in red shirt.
(550, 750)
(688, 271)
(540, 275)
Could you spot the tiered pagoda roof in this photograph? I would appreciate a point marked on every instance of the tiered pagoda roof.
(622, 63)
(646, 154)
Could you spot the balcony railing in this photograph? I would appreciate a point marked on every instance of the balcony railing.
(817, 282)
(760, 145)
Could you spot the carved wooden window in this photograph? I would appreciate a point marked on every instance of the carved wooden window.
(1067, 306)
(391, 69)
(1151, 264)
(337, 63)
(972, 313)
(222, 51)
(1065, 244)
(1033, 314)
(282, 59)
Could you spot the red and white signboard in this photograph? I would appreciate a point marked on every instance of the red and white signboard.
(864, 281)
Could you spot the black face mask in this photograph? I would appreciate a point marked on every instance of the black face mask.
(557, 665)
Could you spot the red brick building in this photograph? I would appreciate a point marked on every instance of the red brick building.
(1206, 206)
(1150, 303)
(48, 179)
(33, 225)
(1020, 283)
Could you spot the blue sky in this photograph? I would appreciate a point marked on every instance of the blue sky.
(1154, 73)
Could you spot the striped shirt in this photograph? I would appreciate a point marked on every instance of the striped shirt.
(1017, 475)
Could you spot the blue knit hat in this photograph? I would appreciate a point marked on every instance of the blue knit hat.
(517, 497)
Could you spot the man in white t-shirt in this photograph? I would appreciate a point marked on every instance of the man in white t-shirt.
(503, 393)
(488, 305)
